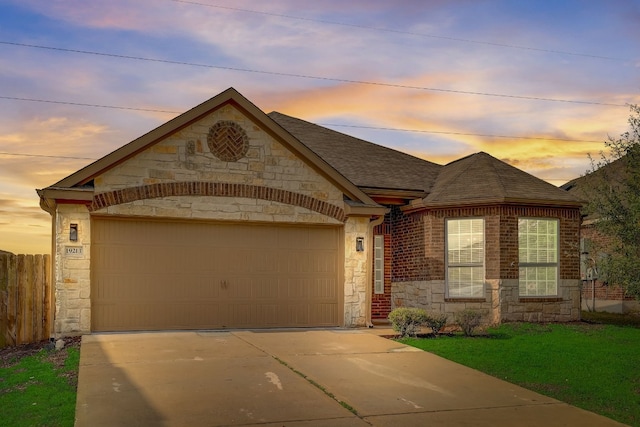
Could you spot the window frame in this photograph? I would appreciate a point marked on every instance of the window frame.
(378, 264)
(449, 265)
(540, 265)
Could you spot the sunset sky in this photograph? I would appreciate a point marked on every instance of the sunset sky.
(538, 84)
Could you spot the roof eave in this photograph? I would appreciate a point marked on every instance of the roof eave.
(394, 192)
(375, 210)
(67, 194)
(51, 196)
(421, 204)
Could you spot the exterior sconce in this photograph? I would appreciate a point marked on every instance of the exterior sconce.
(73, 232)
(359, 244)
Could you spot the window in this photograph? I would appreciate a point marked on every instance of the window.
(378, 264)
(538, 256)
(465, 258)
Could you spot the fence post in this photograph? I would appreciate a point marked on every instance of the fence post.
(4, 298)
(23, 299)
(47, 289)
(38, 309)
(12, 300)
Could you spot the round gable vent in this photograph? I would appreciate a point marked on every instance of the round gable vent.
(228, 141)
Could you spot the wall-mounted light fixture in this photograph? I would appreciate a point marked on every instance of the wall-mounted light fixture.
(359, 244)
(73, 232)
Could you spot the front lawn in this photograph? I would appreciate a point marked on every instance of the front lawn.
(38, 385)
(595, 367)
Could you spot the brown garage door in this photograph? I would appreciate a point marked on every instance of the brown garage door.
(153, 275)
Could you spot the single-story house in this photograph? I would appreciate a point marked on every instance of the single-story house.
(227, 217)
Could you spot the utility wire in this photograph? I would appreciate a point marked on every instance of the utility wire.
(89, 158)
(305, 76)
(410, 33)
(45, 156)
(79, 104)
(541, 138)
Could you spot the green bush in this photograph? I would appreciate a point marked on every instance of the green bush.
(407, 321)
(436, 322)
(468, 320)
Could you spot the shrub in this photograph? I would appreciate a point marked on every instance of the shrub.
(436, 322)
(468, 320)
(407, 321)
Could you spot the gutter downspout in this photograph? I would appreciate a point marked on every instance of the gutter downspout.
(369, 294)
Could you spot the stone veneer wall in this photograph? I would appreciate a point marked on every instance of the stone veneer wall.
(180, 178)
(185, 157)
(356, 266)
(502, 303)
(72, 273)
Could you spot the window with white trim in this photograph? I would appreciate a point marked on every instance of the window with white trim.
(378, 264)
(538, 257)
(465, 258)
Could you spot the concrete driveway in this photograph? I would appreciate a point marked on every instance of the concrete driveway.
(295, 378)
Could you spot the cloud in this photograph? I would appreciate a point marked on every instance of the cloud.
(25, 142)
(231, 40)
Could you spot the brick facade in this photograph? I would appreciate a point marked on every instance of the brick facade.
(418, 257)
(215, 189)
(598, 294)
(408, 236)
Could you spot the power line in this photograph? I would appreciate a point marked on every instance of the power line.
(305, 76)
(410, 33)
(48, 157)
(89, 158)
(541, 138)
(79, 104)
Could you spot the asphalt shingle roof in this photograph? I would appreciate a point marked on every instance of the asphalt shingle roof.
(361, 162)
(478, 178)
(482, 178)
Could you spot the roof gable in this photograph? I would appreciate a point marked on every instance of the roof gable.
(481, 178)
(79, 179)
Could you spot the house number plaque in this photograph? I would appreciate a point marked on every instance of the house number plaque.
(73, 250)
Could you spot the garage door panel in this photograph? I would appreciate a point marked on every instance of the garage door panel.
(266, 263)
(324, 289)
(149, 275)
(266, 289)
(298, 288)
(326, 312)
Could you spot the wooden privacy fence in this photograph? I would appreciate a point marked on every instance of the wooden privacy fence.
(25, 299)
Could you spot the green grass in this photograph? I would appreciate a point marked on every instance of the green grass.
(40, 390)
(595, 367)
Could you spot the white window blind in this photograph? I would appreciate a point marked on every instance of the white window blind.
(538, 256)
(378, 264)
(465, 258)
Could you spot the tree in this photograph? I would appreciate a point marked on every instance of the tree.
(613, 195)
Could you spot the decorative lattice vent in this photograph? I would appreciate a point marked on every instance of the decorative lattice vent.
(228, 141)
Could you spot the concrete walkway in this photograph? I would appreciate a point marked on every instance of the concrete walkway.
(295, 378)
